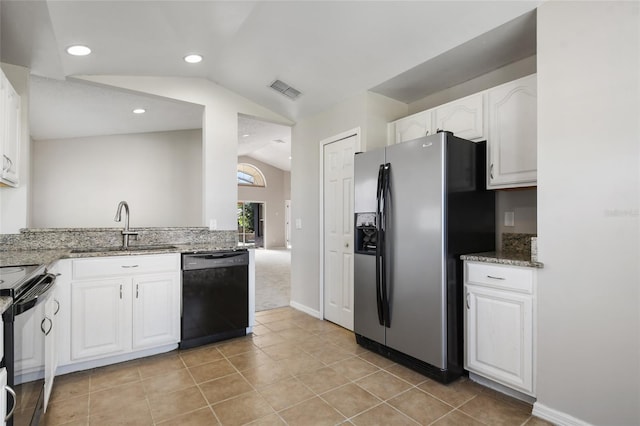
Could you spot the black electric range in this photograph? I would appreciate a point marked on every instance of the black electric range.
(27, 286)
(14, 278)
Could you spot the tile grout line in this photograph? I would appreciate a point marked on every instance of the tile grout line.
(200, 389)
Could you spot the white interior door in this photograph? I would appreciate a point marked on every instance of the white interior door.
(338, 231)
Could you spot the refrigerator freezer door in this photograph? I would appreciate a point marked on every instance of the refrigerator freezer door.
(366, 166)
(415, 250)
(365, 307)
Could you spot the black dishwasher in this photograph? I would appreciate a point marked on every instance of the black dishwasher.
(215, 297)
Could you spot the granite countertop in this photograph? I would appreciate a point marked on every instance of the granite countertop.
(48, 257)
(503, 258)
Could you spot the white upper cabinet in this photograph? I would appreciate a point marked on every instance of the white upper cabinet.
(512, 142)
(10, 132)
(413, 126)
(505, 116)
(464, 118)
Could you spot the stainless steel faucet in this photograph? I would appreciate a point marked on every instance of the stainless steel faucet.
(125, 232)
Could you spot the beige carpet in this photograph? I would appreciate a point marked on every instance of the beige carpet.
(273, 279)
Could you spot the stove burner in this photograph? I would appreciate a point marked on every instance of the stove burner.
(12, 269)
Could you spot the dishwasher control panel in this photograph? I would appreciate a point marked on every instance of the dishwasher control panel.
(217, 259)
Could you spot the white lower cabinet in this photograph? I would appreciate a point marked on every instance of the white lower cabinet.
(28, 343)
(51, 310)
(99, 321)
(499, 324)
(154, 297)
(123, 310)
(5, 402)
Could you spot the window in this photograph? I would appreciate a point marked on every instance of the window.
(249, 175)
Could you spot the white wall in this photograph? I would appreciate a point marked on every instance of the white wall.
(523, 203)
(79, 182)
(305, 180)
(486, 81)
(14, 202)
(273, 195)
(220, 139)
(588, 220)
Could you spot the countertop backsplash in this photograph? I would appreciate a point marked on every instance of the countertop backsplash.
(519, 244)
(63, 238)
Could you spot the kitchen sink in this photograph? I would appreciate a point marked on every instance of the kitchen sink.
(122, 249)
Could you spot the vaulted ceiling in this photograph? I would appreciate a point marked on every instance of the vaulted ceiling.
(329, 51)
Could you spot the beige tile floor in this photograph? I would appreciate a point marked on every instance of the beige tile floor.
(294, 370)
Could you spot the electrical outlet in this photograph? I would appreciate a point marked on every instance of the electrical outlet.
(509, 218)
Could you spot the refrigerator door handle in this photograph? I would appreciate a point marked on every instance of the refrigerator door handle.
(379, 242)
(386, 176)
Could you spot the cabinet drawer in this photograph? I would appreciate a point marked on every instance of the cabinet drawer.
(124, 265)
(514, 278)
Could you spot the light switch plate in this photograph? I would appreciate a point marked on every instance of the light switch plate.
(509, 219)
(298, 223)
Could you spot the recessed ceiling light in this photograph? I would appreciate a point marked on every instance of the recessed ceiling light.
(139, 111)
(193, 58)
(246, 135)
(290, 158)
(78, 50)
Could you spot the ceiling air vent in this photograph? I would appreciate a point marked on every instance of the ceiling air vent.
(285, 89)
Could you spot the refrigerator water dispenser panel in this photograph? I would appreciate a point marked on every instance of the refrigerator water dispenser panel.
(366, 233)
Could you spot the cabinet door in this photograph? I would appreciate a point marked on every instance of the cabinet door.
(156, 310)
(100, 317)
(512, 142)
(499, 336)
(3, 396)
(52, 309)
(28, 345)
(413, 127)
(12, 133)
(3, 120)
(464, 117)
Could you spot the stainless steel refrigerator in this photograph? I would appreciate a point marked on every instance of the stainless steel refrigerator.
(419, 205)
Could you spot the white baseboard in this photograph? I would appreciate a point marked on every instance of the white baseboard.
(556, 417)
(305, 309)
(501, 388)
(101, 362)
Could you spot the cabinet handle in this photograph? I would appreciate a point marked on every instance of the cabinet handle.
(491, 171)
(468, 307)
(120, 291)
(494, 278)
(57, 307)
(137, 290)
(46, 332)
(15, 402)
(129, 266)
